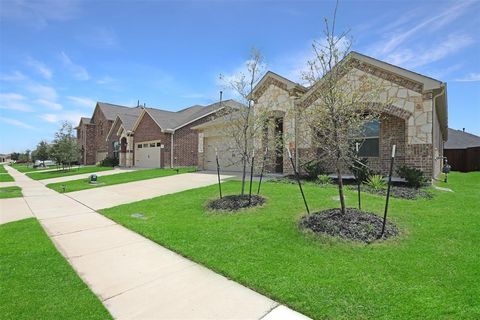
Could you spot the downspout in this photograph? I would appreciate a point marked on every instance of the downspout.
(434, 117)
(171, 149)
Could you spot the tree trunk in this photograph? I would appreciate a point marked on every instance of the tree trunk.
(340, 189)
(243, 175)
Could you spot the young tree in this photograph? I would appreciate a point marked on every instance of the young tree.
(343, 104)
(42, 151)
(64, 148)
(243, 125)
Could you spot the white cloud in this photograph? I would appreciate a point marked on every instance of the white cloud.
(99, 37)
(43, 92)
(432, 23)
(49, 104)
(471, 77)
(38, 13)
(14, 101)
(77, 71)
(13, 76)
(39, 67)
(412, 58)
(105, 80)
(16, 123)
(82, 101)
(71, 116)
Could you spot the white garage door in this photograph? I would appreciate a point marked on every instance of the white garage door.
(147, 154)
(229, 160)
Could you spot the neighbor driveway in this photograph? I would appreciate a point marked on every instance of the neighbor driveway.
(110, 196)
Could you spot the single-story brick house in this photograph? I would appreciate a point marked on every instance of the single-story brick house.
(462, 150)
(416, 121)
(143, 136)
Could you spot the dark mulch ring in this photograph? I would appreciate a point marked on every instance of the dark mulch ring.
(354, 225)
(235, 202)
(398, 192)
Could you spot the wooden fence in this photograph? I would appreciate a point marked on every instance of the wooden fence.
(464, 160)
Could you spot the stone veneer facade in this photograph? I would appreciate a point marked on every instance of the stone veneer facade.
(408, 122)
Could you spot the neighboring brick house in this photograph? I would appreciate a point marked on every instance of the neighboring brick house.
(166, 139)
(416, 122)
(92, 132)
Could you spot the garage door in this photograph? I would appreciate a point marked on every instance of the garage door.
(228, 159)
(147, 154)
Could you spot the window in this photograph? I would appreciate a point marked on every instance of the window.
(139, 146)
(159, 144)
(152, 144)
(145, 145)
(369, 140)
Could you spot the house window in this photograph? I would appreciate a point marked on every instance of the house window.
(370, 140)
(139, 146)
(145, 145)
(158, 144)
(152, 144)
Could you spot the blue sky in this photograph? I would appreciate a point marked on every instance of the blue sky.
(58, 57)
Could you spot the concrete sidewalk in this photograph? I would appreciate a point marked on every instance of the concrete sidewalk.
(85, 175)
(134, 277)
(110, 196)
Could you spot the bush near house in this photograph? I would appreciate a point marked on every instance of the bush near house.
(415, 178)
(109, 162)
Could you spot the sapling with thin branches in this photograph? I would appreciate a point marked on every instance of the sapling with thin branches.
(342, 102)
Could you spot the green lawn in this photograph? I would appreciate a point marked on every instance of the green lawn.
(36, 282)
(82, 184)
(27, 168)
(2, 169)
(10, 192)
(431, 271)
(64, 173)
(5, 177)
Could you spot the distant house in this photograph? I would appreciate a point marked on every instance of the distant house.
(462, 150)
(5, 158)
(142, 136)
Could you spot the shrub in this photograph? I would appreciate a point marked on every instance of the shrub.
(414, 177)
(324, 179)
(361, 170)
(376, 182)
(313, 169)
(109, 162)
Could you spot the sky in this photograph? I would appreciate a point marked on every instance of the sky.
(58, 57)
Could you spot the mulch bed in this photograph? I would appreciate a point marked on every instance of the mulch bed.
(235, 202)
(354, 225)
(398, 192)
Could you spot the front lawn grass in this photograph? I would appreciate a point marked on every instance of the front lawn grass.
(36, 282)
(81, 184)
(10, 192)
(28, 168)
(2, 169)
(5, 177)
(66, 172)
(431, 271)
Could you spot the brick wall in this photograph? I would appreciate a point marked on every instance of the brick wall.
(185, 141)
(113, 137)
(148, 130)
(90, 149)
(102, 127)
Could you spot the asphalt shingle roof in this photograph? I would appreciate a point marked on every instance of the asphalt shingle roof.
(168, 120)
(458, 139)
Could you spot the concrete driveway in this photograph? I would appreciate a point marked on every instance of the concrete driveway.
(106, 197)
